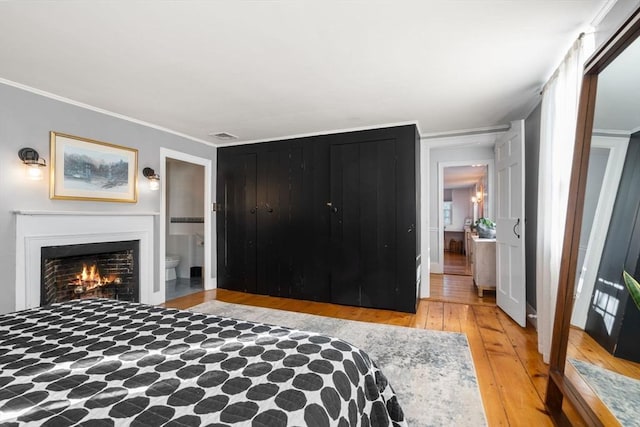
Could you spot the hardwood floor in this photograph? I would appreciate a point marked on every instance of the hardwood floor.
(511, 374)
(458, 289)
(456, 263)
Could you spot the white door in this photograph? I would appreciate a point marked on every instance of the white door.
(510, 263)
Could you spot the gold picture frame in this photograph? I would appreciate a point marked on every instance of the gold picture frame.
(85, 169)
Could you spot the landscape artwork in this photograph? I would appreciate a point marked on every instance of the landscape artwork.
(84, 169)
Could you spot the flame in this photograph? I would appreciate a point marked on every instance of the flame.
(90, 278)
(91, 274)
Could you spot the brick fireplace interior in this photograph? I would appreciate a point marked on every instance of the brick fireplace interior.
(91, 270)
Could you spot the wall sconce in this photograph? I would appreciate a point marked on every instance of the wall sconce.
(31, 158)
(479, 196)
(153, 177)
(474, 199)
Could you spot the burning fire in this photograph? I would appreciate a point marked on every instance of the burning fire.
(90, 278)
(90, 275)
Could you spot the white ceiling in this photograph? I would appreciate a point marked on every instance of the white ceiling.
(462, 176)
(268, 69)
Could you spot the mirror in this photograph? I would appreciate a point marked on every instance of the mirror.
(592, 307)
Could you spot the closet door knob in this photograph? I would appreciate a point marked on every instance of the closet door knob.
(253, 210)
(268, 208)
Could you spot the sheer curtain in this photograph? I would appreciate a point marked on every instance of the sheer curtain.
(557, 135)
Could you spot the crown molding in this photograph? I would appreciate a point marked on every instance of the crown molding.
(320, 133)
(101, 111)
(487, 138)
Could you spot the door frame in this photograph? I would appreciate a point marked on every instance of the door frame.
(438, 267)
(165, 154)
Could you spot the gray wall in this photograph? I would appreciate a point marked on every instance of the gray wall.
(531, 156)
(25, 121)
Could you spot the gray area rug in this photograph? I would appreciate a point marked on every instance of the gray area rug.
(432, 372)
(621, 394)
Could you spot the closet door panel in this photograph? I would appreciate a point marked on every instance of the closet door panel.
(373, 231)
(378, 223)
(236, 224)
(272, 170)
(315, 225)
(345, 224)
(280, 220)
(295, 245)
(407, 224)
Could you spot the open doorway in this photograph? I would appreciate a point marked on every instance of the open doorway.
(184, 248)
(464, 195)
(185, 231)
(465, 191)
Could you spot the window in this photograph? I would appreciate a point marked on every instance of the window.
(447, 215)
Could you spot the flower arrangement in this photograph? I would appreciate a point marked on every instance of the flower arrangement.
(486, 228)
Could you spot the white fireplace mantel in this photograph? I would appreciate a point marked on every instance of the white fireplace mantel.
(38, 229)
(83, 213)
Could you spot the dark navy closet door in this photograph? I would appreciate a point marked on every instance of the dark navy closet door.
(363, 223)
(280, 221)
(237, 222)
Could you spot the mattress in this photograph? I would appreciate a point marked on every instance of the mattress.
(101, 362)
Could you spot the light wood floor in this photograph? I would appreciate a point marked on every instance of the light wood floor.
(456, 263)
(511, 375)
(458, 289)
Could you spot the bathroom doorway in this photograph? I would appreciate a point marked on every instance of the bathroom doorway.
(185, 256)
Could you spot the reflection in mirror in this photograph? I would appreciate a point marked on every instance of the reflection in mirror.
(605, 322)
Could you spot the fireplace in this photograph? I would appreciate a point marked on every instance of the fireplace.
(91, 270)
(36, 230)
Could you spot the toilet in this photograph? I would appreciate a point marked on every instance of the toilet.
(171, 262)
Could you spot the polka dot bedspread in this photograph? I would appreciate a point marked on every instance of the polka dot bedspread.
(104, 362)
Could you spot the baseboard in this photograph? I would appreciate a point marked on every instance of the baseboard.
(436, 268)
(210, 284)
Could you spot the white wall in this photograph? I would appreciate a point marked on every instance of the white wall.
(185, 195)
(462, 207)
(26, 119)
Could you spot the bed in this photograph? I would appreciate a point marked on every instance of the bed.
(100, 362)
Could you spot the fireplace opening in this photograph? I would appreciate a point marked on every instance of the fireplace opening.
(90, 270)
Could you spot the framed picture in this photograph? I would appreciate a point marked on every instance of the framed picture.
(84, 169)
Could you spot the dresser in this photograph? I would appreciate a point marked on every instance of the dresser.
(483, 263)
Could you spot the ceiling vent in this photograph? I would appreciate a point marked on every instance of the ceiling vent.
(223, 136)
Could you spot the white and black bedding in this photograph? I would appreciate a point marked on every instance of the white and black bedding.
(106, 362)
